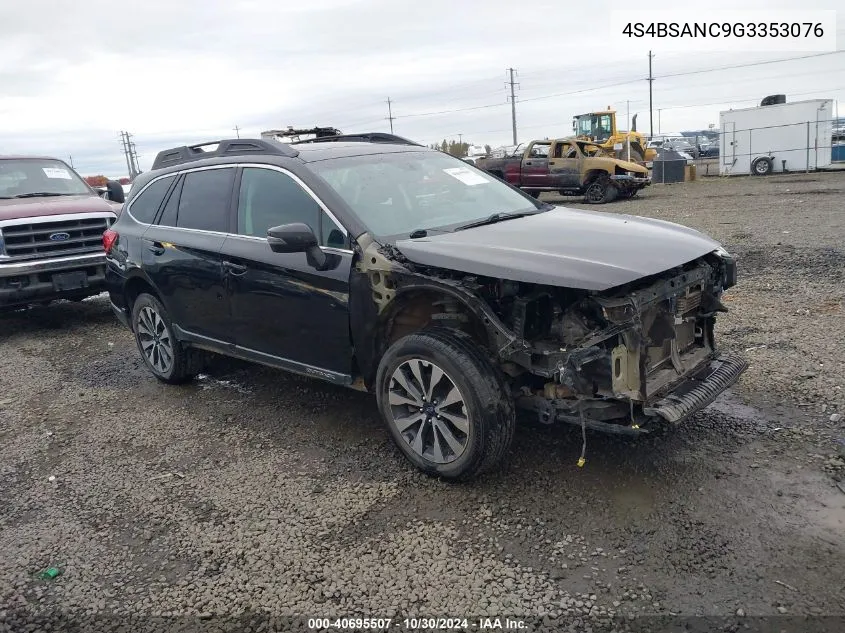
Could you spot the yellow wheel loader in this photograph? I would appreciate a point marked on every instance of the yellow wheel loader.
(600, 128)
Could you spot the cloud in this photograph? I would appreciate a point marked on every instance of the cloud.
(171, 72)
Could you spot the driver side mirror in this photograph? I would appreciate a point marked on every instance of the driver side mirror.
(299, 238)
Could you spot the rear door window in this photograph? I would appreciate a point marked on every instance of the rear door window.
(205, 200)
(146, 205)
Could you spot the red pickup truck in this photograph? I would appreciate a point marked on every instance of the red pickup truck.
(51, 231)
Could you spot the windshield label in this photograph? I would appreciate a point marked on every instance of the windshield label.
(466, 176)
(57, 172)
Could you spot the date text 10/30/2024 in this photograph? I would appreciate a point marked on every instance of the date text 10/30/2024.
(414, 624)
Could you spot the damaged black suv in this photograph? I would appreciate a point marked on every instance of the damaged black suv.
(453, 297)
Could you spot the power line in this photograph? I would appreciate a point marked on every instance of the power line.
(612, 85)
(771, 61)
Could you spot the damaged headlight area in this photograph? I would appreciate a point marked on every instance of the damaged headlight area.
(728, 267)
(621, 359)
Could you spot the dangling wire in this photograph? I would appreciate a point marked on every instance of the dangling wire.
(634, 424)
(583, 459)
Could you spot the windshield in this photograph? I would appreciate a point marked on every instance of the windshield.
(395, 194)
(27, 176)
(596, 126)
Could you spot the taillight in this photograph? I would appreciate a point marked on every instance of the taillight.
(109, 238)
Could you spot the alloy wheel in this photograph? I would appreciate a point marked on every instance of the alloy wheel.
(429, 411)
(155, 340)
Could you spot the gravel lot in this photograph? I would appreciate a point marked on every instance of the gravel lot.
(253, 491)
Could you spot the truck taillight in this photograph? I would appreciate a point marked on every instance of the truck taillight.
(109, 238)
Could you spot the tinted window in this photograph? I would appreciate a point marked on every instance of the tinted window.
(168, 215)
(145, 206)
(270, 198)
(204, 203)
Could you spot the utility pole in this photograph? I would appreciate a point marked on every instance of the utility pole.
(658, 120)
(130, 153)
(390, 116)
(628, 140)
(513, 104)
(650, 108)
(124, 140)
(237, 131)
(71, 162)
(133, 154)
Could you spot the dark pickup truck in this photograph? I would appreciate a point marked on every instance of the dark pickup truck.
(567, 166)
(51, 232)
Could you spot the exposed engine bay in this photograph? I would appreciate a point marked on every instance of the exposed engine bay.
(613, 360)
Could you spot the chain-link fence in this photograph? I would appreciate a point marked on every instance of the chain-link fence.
(740, 150)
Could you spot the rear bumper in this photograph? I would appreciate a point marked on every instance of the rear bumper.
(29, 281)
(698, 389)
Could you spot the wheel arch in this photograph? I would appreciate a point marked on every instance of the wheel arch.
(137, 283)
(417, 305)
(594, 174)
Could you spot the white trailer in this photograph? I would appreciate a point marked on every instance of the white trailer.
(762, 140)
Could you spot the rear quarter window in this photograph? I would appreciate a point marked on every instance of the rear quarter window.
(146, 205)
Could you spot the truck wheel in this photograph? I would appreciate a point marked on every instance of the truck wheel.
(446, 407)
(600, 191)
(163, 353)
(761, 166)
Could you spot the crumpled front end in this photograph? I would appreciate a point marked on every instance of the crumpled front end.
(636, 355)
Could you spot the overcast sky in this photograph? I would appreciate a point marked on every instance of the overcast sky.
(73, 73)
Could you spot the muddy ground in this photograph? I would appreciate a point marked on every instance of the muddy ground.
(252, 490)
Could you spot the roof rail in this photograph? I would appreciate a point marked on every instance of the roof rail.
(226, 147)
(364, 137)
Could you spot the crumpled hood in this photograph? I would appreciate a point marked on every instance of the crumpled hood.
(564, 247)
(16, 208)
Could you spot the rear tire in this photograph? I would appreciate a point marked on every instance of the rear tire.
(446, 407)
(164, 355)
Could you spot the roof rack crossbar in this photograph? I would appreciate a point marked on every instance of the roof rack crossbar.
(364, 137)
(225, 147)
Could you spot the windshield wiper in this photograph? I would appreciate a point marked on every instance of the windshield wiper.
(496, 217)
(41, 194)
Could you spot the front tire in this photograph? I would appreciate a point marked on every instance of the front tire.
(600, 191)
(164, 355)
(445, 406)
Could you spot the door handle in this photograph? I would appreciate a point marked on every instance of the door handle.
(234, 269)
(156, 248)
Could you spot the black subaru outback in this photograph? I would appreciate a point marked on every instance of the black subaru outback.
(452, 296)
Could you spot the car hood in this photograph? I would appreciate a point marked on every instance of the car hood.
(563, 247)
(19, 208)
